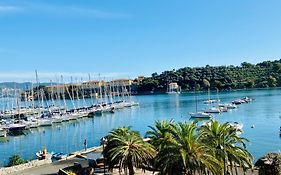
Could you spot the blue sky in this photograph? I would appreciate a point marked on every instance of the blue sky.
(125, 38)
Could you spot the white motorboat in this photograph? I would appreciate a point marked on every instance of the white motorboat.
(213, 110)
(58, 156)
(73, 116)
(211, 101)
(16, 127)
(228, 105)
(223, 108)
(83, 114)
(45, 122)
(134, 103)
(57, 119)
(3, 132)
(127, 104)
(34, 124)
(43, 155)
(238, 101)
(118, 105)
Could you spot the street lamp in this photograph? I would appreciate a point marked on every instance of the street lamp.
(103, 141)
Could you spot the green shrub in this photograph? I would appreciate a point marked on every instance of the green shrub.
(15, 160)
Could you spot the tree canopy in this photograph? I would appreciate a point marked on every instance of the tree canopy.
(247, 75)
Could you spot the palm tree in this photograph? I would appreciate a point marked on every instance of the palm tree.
(180, 150)
(160, 134)
(226, 144)
(127, 149)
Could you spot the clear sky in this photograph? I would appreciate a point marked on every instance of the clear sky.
(126, 38)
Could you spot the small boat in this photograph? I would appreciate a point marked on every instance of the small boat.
(223, 108)
(56, 119)
(211, 101)
(43, 154)
(58, 156)
(3, 132)
(15, 127)
(73, 116)
(213, 110)
(238, 102)
(127, 104)
(247, 99)
(242, 100)
(228, 106)
(45, 122)
(98, 111)
(134, 103)
(200, 115)
(34, 123)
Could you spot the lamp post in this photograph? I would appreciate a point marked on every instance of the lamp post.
(103, 140)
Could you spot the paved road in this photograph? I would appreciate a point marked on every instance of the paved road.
(51, 168)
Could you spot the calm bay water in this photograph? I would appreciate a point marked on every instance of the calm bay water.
(263, 113)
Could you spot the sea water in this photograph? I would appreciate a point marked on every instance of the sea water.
(263, 113)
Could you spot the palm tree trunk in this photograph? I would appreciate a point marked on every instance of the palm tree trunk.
(131, 167)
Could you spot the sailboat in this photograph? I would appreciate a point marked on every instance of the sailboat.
(199, 114)
(213, 109)
(209, 101)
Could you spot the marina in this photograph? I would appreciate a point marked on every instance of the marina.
(67, 137)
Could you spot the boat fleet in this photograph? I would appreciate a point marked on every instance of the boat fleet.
(219, 108)
(24, 115)
(16, 126)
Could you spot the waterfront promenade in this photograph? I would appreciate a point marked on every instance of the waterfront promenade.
(77, 158)
(52, 169)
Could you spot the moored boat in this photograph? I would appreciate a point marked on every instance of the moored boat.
(212, 110)
(45, 122)
(200, 115)
(211, 101)
(3, 132)
(15, 127)
(58, 156)
(43, 154)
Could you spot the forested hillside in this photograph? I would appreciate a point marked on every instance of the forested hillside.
(261, 75)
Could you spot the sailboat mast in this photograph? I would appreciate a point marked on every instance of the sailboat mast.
(100, 90)
(63, 94)
(90, 89)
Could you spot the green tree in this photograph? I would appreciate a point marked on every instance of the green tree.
(160, 134)
(206, 84)
(218, 84)
(127, 149)
(226, 144)
(15, 160)
(272, 82)
(183, 153)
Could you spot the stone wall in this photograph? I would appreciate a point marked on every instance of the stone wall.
(31, 164)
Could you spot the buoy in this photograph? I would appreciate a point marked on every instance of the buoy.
(252, 126)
